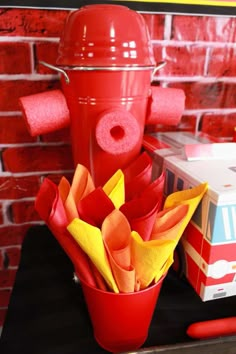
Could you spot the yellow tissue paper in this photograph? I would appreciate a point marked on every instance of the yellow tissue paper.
(115, 189)
(191, 197)
(90, 240)
(149, 257)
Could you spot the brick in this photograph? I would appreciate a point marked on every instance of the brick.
(13, 255)
(204, 28)
(3, 313)
(11, 91)
(47, 52)
(218, 125)
(220, 29)
(15, 58)
(24, 211)
(7, 277)
(155, 24)
(188, 28)
(37, 158)
(203, 95)
(187, 123)
(182, 60)
(13, 234)
(18, 187)
(1, 214)
(32, 22)
(5, 295)
(230, 97)
(13, 130)
(1, 259)
(61, 135)
(222, 62)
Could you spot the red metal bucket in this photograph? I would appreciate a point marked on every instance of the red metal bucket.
(108, 63)
(107, 111)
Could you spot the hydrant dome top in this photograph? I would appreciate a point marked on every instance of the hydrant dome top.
(105, 35)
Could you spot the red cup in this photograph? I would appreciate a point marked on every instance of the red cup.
(121, 321)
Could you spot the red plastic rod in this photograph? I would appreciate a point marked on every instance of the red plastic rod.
(212, 328)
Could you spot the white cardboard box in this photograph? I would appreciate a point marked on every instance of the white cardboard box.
(208, 246)
(209, 242)
(161, 145)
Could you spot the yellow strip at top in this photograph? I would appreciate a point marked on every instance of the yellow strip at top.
(187, 2)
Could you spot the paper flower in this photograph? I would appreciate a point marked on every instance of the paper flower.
(119, 236)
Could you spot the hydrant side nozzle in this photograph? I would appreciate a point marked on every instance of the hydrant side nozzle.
(165, 106)
(117, 131)
(45, 112)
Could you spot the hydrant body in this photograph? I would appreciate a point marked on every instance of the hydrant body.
(106, 53)
(106, 60)
(95, 98)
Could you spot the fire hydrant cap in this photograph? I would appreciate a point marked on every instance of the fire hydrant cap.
(105, 35)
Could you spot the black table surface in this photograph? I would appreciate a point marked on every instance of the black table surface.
(47, 313)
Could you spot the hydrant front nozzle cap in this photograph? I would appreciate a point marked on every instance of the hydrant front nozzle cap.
(105, 35)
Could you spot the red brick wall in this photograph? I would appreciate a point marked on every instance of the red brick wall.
(200, 56)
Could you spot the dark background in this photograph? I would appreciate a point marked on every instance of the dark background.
(138, 6)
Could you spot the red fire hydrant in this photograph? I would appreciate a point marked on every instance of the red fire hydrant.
(106, 62)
